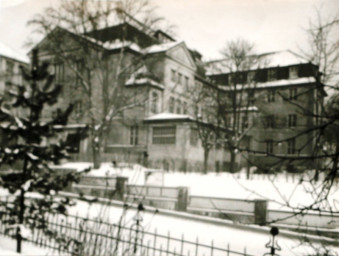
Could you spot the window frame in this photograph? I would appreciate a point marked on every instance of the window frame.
(293, 72)
(271, 95)
(159, 137)
(292, 120)
(291, 146)
(134, 135)
(269, 147)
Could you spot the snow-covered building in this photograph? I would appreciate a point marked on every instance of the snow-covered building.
(10, 73)
(284, 100)
(10, 61)
(153, 115)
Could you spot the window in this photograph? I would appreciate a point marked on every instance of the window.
(194, 137)
(179, 78)
(185, 108)
(269, 147)
(291, 146)
(164, 135)
(173, 75)
(171, 105)
(272, 74)
(79, 69)
(270, 122)
(178, 107)
(293, 72)
(228, 121)
(292, 120)
(73, 142)
(244, 122)
(250, 77)
(271, 96)
(250, 97)
(78, 108)
(155, 102)
(187, 82)
(59, 71)
(9, 67)
(134, 134)
(293, 93)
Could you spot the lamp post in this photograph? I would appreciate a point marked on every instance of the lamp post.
(137, 229)
(273, 244)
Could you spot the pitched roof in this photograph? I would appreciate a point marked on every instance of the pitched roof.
(168, 117)
(265, 60)
(157, 48)
(269, 84)
(12, 54)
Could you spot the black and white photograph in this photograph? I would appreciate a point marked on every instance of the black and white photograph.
(169, 128)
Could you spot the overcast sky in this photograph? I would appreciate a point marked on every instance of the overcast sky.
(205, 25)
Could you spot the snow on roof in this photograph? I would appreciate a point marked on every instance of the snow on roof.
(117, 44)
(70, 126)
(10, 53)
(283, 58)
(139, 81)
(161, 47)
(266, 60)
(276, 83)
(168, 116)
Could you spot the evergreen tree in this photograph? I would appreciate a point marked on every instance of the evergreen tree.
(32, 144)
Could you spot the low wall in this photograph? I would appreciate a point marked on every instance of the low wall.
(309, 219)
(242, 211)
(107, 187)
(172, 198)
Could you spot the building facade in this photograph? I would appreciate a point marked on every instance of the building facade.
(159, 110)
(284, 100)
(155, 123)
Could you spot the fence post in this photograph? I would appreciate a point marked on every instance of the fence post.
(182, 199)
(260, 211)
(120, 188)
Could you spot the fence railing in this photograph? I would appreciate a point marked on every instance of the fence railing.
(78, 236)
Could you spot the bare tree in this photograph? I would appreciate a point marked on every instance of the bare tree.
(97, 66)
(234, 99)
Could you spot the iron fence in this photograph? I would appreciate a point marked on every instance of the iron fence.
(77, 236)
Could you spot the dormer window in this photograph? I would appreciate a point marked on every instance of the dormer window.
(272, 75)
(250, 77)
(293, 72)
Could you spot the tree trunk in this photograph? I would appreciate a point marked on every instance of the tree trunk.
(21, 220)
(95, 146)
(206, 153)
(21, 209)
(96, 154)
(232, 161)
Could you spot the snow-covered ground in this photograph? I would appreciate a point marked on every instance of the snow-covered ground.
(8, 248)
(212, 184)
(222, 235)
(280, 190)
